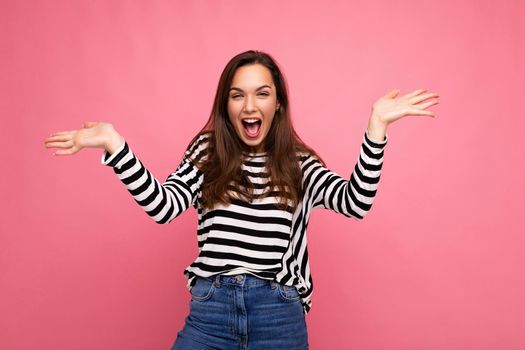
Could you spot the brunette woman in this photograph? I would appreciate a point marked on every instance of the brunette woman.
(254, 184)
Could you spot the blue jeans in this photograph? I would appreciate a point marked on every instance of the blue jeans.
(243, 312)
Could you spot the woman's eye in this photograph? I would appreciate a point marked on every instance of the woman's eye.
(262, 94)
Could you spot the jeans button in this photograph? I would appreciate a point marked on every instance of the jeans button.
(238, 278)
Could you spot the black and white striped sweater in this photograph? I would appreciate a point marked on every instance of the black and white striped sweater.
(257, 237)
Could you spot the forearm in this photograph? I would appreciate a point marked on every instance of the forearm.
(161, 201)
(376, 129)
(353, 197)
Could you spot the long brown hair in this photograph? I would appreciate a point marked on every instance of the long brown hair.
(222, 166)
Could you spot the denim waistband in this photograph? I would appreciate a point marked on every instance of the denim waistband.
(242, 279)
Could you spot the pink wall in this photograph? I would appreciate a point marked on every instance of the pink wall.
(437, 264)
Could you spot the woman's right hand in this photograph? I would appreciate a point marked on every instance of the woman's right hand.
(92, 135)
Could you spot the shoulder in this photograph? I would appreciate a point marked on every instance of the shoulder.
(198, 146)
(308, 159)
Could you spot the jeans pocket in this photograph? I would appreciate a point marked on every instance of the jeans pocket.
(202, 290)
(288, 294)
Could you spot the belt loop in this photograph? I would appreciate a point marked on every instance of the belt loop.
(217, 282)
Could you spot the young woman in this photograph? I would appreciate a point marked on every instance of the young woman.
(254, 184)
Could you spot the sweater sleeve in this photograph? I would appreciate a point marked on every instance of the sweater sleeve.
(352, 198)
(164, 201)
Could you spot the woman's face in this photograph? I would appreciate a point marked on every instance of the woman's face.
(252, 103)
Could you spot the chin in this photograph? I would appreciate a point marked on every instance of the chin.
(253, 144)
(256, 143)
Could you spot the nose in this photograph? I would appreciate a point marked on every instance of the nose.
(249, 106)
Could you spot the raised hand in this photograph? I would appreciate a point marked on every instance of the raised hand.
(92, 135)
(390, 108)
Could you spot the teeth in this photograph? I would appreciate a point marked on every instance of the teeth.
(250, 120)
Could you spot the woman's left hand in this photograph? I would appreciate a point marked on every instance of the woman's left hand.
(390, 108)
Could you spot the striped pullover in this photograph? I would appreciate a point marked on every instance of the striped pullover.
(255, 238)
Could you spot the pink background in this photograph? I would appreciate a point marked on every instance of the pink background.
(438, 263)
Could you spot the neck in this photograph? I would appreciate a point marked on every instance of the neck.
(255, 149)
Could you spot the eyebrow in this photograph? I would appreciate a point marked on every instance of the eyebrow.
(259, 88)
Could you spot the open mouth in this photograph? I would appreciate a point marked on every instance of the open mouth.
(252, 126)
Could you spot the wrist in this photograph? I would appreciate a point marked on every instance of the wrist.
(376, 129)
(114, 142)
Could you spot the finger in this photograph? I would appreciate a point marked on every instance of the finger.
(59, 144)
(415, 93)
(63, 132)
(62, 137)
(392, 93)
(423, 97)
(61, 153)
(66, 152)
(426, 104)
(420, 112)
(89, 124)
